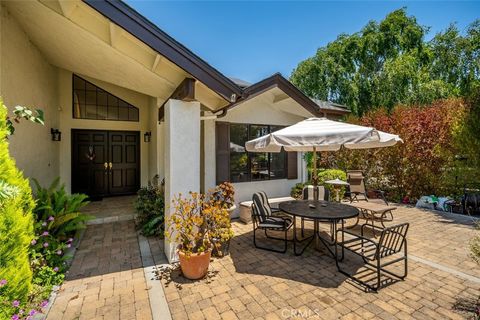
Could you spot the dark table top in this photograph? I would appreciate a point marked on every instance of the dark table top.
(324, 210)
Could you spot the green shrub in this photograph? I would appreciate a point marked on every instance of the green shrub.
(150, 205)
(58, 217)
(16, 225)
(331, 174)
(297, 190)
(59, 211)
(475, 246)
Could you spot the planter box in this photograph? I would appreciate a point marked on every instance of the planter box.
(246, 207)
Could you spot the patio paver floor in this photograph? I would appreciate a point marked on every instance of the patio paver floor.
(106, 280)
(257, 284)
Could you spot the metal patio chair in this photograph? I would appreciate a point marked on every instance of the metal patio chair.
(263, 218)
(390, 249)
(308, 193)
(357, 188)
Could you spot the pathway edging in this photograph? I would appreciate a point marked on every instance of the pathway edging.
(158, 301)
(441, 267)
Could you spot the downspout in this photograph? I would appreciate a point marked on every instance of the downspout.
(223, 113)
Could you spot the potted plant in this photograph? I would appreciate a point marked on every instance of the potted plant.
(224, 193)
(193, 225)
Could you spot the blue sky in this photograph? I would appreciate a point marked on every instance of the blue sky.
(251, 40)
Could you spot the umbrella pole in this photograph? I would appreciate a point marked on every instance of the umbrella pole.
(315, 175)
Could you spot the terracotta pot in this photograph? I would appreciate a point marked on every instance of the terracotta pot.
(196, 265)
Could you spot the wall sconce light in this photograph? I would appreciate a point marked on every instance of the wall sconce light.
(56, 134)
(147, 136)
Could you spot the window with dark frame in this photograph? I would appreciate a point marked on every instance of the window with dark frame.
(250, 166)
(94, 103)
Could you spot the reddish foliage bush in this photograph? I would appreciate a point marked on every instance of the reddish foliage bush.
(424, 164)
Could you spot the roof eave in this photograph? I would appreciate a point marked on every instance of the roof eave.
(137, 25)
(277, 80)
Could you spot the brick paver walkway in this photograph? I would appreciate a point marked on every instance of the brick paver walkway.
(106, 280)
(257, 284)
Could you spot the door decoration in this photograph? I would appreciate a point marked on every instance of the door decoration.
(90, 154)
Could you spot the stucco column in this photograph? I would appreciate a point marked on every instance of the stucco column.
(209, 178)
(182, 155)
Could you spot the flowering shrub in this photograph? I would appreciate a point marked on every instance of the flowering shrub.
(58, 217)
(16, 310)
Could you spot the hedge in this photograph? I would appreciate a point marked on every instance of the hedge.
(16, 223)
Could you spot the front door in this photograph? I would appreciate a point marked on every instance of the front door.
(105, 163)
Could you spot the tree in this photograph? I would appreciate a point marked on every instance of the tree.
(390, 63)
(16, 226)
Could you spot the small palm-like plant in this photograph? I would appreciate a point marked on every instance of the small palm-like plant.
(59, 209)
(475, 246)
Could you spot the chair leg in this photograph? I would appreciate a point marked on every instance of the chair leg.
(285, 239)
(303, 226)
(352, 277)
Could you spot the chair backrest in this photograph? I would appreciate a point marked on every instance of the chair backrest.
(261, 209)
(392, 240)
(308, 193)
(357, 181)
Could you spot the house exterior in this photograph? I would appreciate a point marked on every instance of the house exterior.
(131, 102)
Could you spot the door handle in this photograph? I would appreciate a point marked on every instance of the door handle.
(110, 165)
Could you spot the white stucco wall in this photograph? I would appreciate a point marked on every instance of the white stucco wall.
(27, 79)
(67, 122)
(182, 155)
(251, 113)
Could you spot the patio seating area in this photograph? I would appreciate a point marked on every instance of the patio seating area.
(252, 283)
(258, 284)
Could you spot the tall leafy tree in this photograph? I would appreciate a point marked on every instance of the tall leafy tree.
(389, 63)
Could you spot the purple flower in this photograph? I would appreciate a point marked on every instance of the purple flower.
(69, 245)
(21, 311)
(32, 312)
(45, 244)
(44, 304)
(45, 233)
(15, 303)
(70, 240)
(55, 269)
(15, 317)
(59, 252)
(3, 282)
(44, 224)
(51, 218)
(33, 242)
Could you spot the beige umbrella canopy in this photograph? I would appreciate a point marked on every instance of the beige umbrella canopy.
(321, 134)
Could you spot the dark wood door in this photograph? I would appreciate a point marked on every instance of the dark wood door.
(124, 154)
(105, 163)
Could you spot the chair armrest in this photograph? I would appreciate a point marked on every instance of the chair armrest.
(275, 210)
(357, 236)
(371, 227)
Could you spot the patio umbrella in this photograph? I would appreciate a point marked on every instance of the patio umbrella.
(321, 134)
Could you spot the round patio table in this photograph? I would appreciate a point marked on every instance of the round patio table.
(319, 211)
